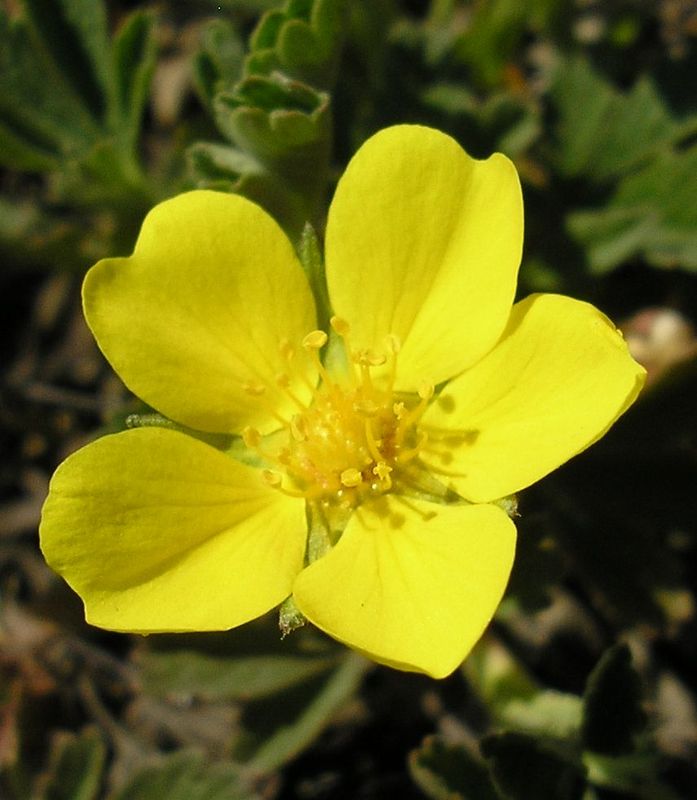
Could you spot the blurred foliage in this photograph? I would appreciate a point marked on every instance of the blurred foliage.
(555, 744)
(108, 107)
(72, 98)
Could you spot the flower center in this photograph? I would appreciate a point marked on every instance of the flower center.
(356, 436)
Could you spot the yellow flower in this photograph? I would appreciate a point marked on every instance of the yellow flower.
(393, 471)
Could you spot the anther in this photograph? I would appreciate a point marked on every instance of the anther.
(351, 477)
(340, 325)
(369, 358)
(366, 408)
(315, 340)
(399, 410)
(425, 390)
(251, 437)
(271, 478)
(382, 470)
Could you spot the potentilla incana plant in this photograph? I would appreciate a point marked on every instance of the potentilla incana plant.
(365, 487)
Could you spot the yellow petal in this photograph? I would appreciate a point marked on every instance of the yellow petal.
(159, 532)
(424, 242)
(411, 586)
(557, 380)
(199, 310)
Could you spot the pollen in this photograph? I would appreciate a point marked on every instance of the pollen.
(356, 437)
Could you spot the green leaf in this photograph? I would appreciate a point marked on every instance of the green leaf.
(497, 676)
(635, 775)
(450, 772)
(501, 121)
(134, 55)
(651, 214)
(525, 768)
(603, 133)
(19, 152)
(612, 713)
(216, 677)
(278, 729)
(266, 33)
(37, 105)
(75, 34)
(549, 713)
(76, 766)
(218, 64)
(218, 162)
(492, 38)
(186, 776)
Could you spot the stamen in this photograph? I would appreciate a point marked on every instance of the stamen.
(341, 326)
(425, 391)
(382, 471)
(370, 358)
(271, 478)
(343, 329)
(349, 439)
(287, 351)
(315, 340)
(351, 477)
(313, 343)
(372, 443)
(399, 410)
(275, 481)
(365, 371)
(251, 437)
(366, 408)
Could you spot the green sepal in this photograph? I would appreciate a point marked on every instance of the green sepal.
(281, 130)
(303, 40)
(290, 617)
(221, 441)
(310, 253)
